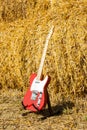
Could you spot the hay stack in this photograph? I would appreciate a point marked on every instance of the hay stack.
(22, 39)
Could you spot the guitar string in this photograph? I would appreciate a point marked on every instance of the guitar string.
(44, 53)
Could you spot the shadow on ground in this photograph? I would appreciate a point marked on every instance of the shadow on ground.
(56, 110)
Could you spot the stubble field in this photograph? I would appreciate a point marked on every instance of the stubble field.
(24, 26)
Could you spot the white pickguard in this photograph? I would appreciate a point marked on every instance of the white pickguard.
(38, 85)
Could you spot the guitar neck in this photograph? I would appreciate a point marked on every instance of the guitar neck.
(44, 54)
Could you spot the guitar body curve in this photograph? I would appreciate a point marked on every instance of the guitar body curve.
(35, 98)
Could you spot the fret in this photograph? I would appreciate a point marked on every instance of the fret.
(44, 53)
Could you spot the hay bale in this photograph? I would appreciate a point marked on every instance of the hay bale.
(22, 42)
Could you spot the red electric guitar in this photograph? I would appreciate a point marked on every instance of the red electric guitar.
(36, 97)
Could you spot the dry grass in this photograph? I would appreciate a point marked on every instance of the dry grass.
(24, 25)
(23, 30)
(72, 115)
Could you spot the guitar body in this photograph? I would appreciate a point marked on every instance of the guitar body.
(35, 98)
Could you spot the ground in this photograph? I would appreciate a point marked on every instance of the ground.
(70, 115)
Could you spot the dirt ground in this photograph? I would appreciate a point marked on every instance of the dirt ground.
(68, 115)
